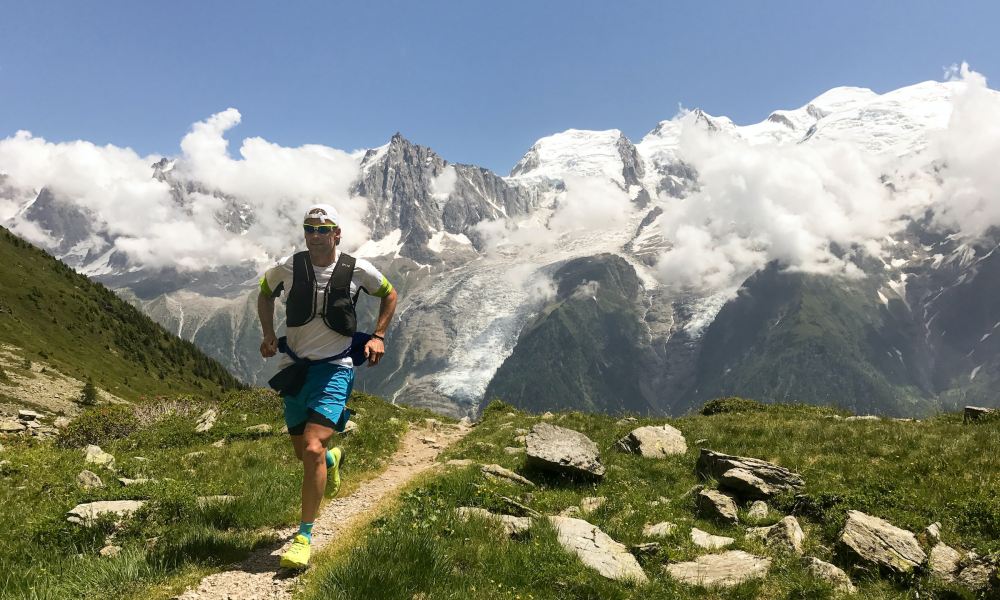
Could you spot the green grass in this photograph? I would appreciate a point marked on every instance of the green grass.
(911, 474)
(172, 538)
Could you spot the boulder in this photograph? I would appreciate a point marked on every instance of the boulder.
(831, 574)
(979, 574)
(713, 504)
(933, 532)
(591, 503)
(9, 426)
(654, 441)
(703, 539)
(974, 413)
(86, 514)
(498, 472)
(512, 525)
(597, 550)
(350, 427)
(61, 422)
(758, 511)
(110, 551)
(874, 541)
(663, 529)
(945, 562)
(125, 481)
(88, 480)
(263, 428)
(94, 455)
(768, 478)
(786, 534)
(207, 420)
(561, 450)
(726, 569)
(863, 418)
(571, 511)
(27, 415)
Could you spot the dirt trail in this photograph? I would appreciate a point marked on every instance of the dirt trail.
(258, 577)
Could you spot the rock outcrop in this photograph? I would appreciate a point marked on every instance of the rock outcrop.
(725, 570)
(654, 441)
(750, 478)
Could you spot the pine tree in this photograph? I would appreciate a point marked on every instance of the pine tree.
(88, 397)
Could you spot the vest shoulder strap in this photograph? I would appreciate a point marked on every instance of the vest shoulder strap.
(343, 273)
(302, 267)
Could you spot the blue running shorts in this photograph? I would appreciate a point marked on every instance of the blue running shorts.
(322, 399)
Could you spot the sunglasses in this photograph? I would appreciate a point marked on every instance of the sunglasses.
(320, 229)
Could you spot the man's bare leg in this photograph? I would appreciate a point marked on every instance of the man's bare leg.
(314, 441)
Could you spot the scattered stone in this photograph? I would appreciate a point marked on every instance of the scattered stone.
(872, 540)
(548, 415)
(768, 478)
(193, 456)
(460, 462)
(521, 439)
(521, 507)
(980, 573)
(88, 480)
(726, 569)
(597, 550)
(945, 562)
(512, 525)
(206, 501)
(429, 440)
(521, 431)
(32, 424)
(830, 573)
(125, 481)
(664, 529)
(513, 450)
(511, 414)
(350, 427)
(432, 424)
(496, 471)
(11, 427)
(505, 425)
(934, 532)
(219, 443)
(110, 551)
(592, 503)
(700, 441)
(645, 549)
(703, 539)
(262, 428)
(716, 505)
(284, 428)
(626, 421)
(61, 422)
(758, 511)
(787, 534)
(86, 514)
(974, 413)
(562, 450)
(207, 420)
(862, 418)
(759, 533)
(94, 455)
(571, 511)
(27, 415)
(654, 441)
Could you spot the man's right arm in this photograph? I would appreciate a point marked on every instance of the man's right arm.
(265, 312)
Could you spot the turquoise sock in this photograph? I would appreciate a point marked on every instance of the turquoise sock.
(329, 458)
(306, 529)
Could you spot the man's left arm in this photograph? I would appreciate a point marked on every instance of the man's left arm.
(375, 348)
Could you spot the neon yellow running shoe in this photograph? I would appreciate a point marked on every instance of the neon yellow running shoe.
(297, 556)
(338, 459)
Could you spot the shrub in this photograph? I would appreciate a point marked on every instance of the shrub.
(88, 397)
(731, 404)
(254, 400)
(497, 407)
(99, 425)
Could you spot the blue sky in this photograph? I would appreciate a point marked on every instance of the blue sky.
(479, 82)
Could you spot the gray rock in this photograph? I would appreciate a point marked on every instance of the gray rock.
(597, 550)
(521, 431)
(975, 413)
(61, 422)
(654, 441)
(219, 443)
(521, 439)
(830, 573)
(88, 480)
(645, 549)
(979, 574)
(703, 539)
(110, 551)
(350, 427)
(775, 479)
(512, 450)
(460, 462)
(86, 514)
(512, 525)
(548, 415)
(713, 504)
(11, 427)
(787, 534)
(626, 421)
(758, 511)
(571, 511)
(125, 481)
(498, 472)
(862, 418)
(945, 562)
(432, 424)
(261, 429)
(207, 420)
(664, 529)
(554, 448)
(874, 541)
(934, 532)
(592, 503)
(726, 569)
(94, 455)
(27, 415)
(745, 484)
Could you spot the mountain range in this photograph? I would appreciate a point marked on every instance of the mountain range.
(564, 285)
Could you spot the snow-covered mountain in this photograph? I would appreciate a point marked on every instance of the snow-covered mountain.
(485, 262)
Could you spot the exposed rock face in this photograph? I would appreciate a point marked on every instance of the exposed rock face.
(512, 525)
(663, 529)
(831, 573)
(654, 441)
(703, 539)
(207, 420)
(716, 505)
(787, 534)
(86, 514)
(597, 550)
(747, 477)
(726, 569)
(874, 541)
(945, 562)
(498, 472)
(89, 479)
(554, 448)
(95, 456)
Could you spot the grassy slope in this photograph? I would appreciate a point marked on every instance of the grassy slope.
(172, 541)
(84, 330)
(909, 473)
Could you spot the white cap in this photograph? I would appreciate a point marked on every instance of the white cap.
(323, 212)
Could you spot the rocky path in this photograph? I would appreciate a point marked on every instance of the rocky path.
(258, 577)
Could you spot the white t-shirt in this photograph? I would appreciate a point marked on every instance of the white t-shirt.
(315, 340)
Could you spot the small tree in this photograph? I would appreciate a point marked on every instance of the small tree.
(88, 397)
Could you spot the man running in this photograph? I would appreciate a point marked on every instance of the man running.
(321, 287)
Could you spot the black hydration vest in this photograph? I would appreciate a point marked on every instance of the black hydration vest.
(338, 307)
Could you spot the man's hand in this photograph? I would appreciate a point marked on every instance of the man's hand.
(269, 347)
(374, 350)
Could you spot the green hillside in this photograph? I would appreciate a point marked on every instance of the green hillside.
(83, 330)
